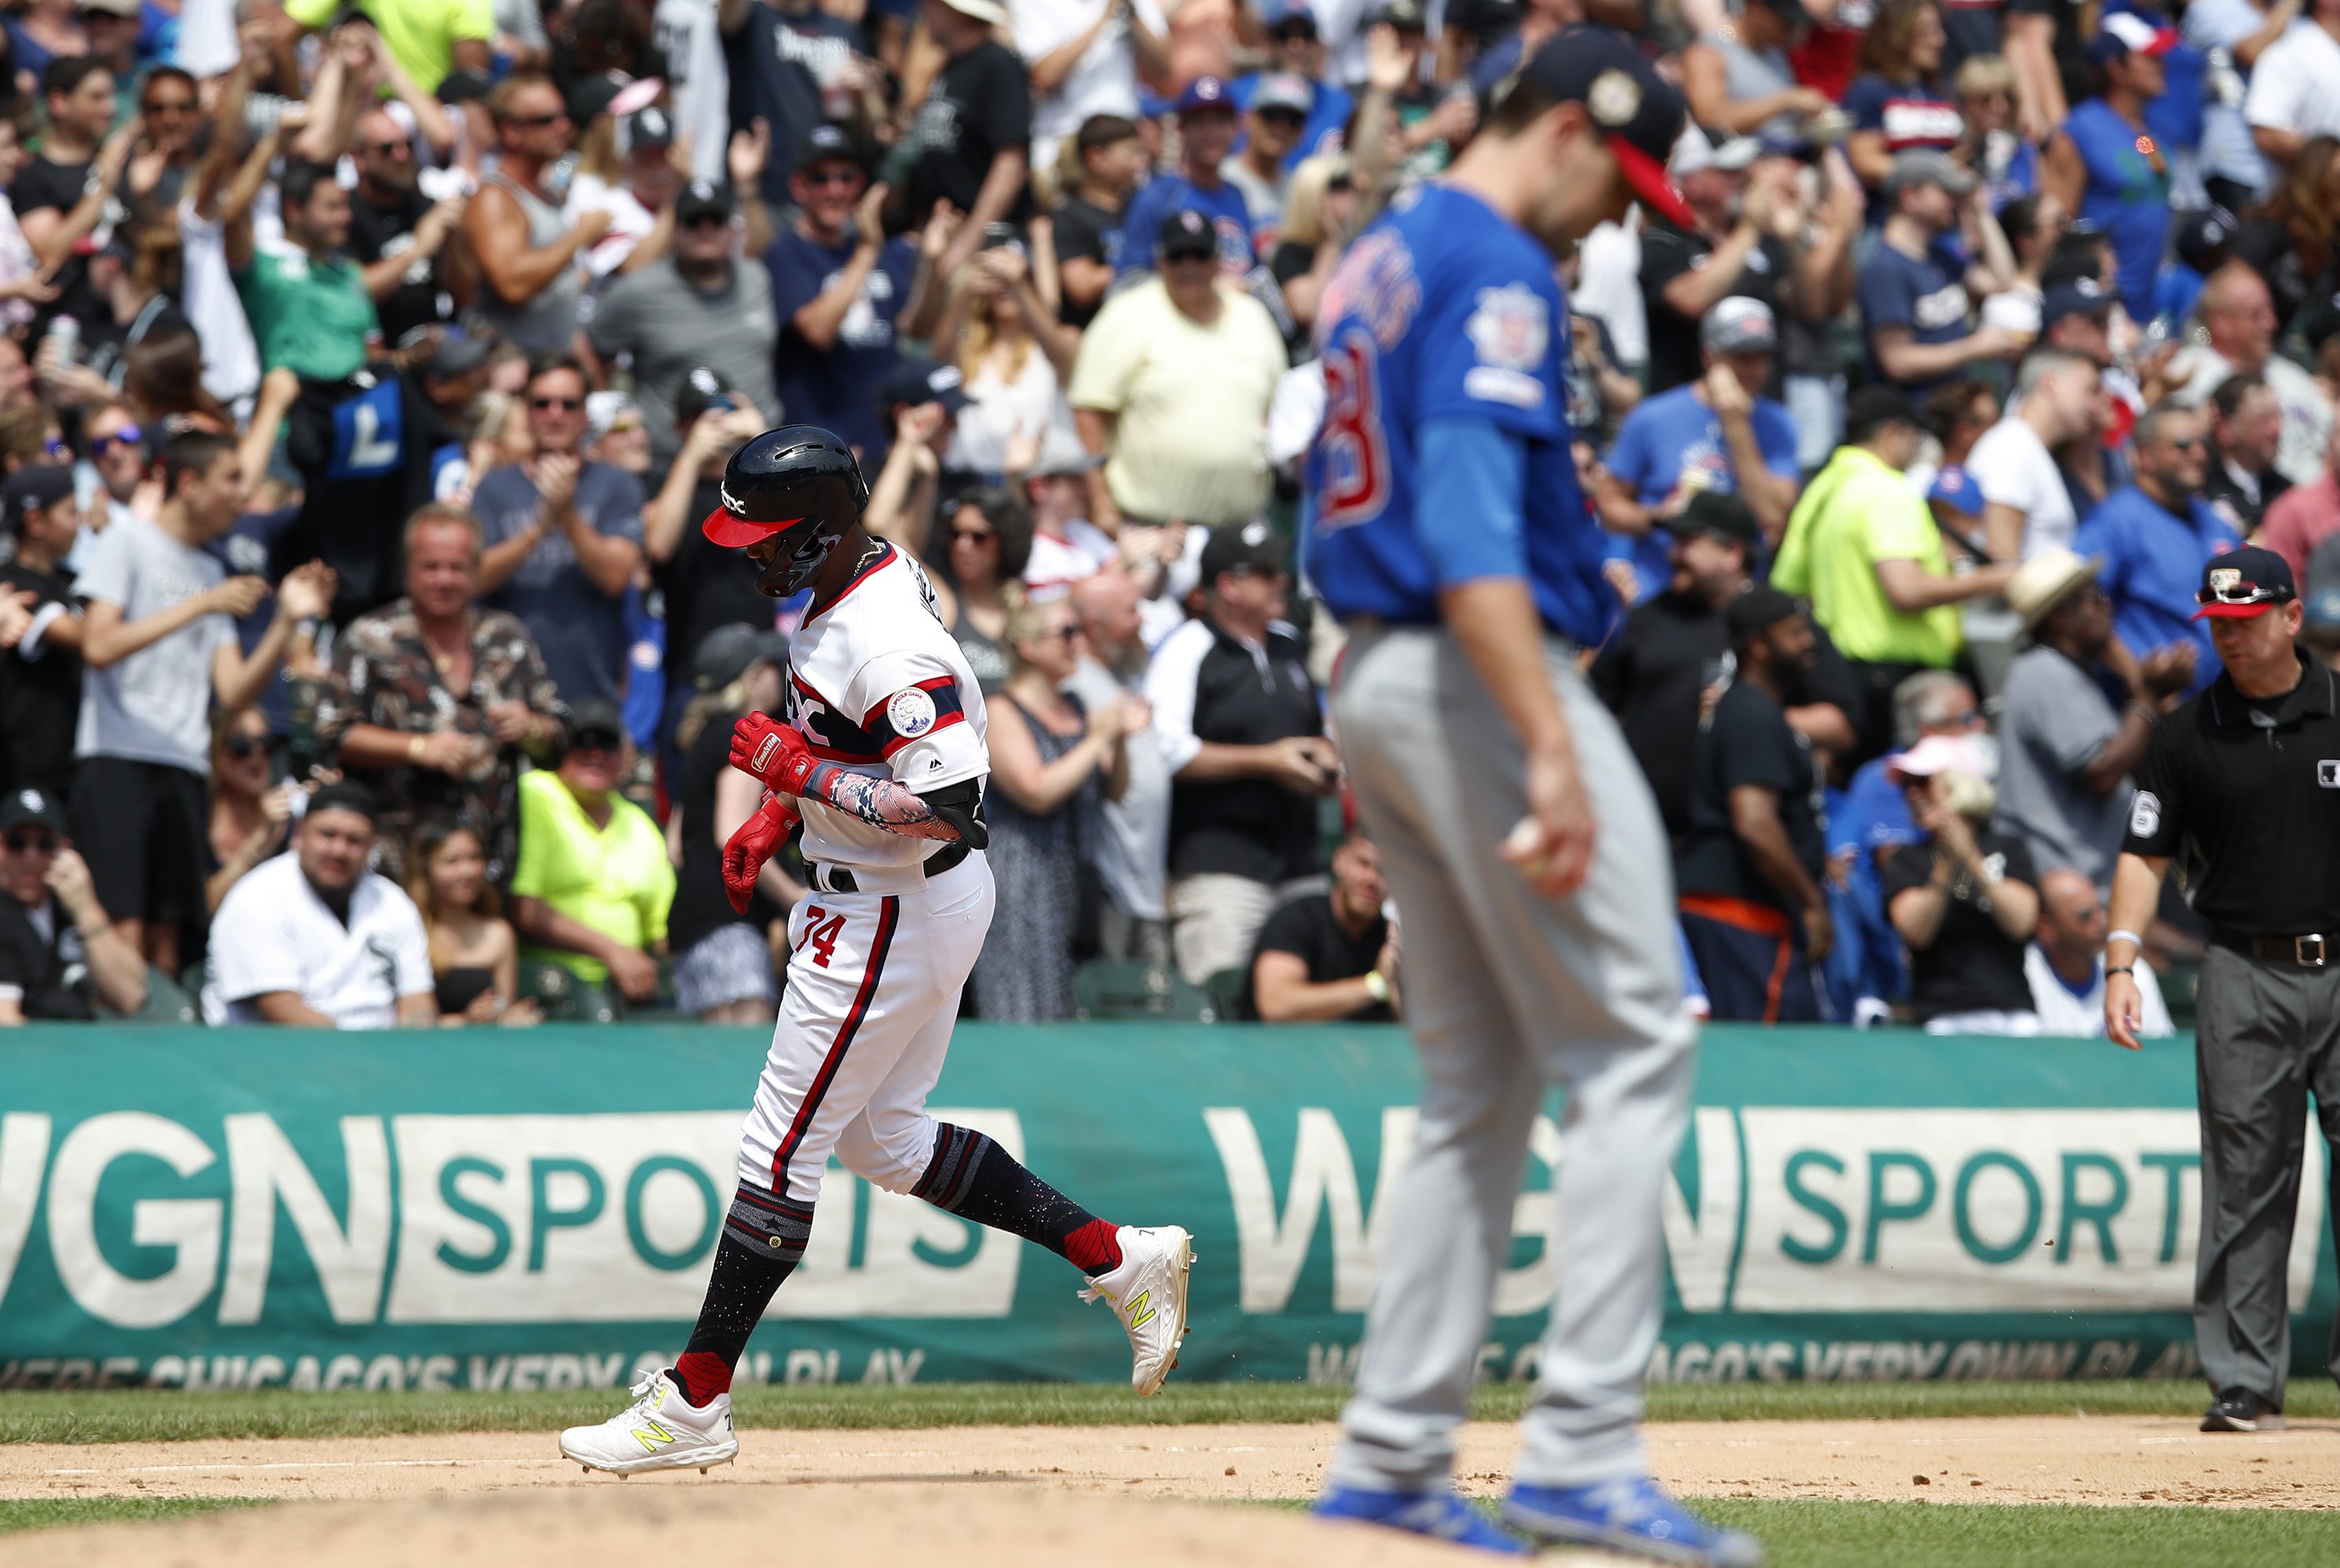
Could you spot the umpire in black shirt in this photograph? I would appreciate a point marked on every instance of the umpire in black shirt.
(2247, 776)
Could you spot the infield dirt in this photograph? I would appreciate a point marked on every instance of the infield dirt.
(2127, 1459)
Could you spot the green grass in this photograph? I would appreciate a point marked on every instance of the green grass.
(153, 1415)
(54, 1513)
(1818, 1533)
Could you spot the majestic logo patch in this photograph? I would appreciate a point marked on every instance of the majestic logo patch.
(2327, 772)
(911, 712)
(1511, 328)
(2144, 813)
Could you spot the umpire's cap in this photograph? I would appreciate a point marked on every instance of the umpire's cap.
(1638, 114)
(2245, 582)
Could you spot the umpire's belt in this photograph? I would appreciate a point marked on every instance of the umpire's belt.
(885, 879)
(2310, 952)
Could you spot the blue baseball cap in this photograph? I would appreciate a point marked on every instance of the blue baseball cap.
(1207, 93)
(2074, 297)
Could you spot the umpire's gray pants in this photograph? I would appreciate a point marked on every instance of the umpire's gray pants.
(1506, 993)
(2266, 1036)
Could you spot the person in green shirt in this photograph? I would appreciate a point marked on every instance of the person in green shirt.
(594, 884)
(428, 38)
(307, 303)
(1863, 548)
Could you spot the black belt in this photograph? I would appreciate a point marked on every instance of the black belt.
(838, 879)
(2309, 951)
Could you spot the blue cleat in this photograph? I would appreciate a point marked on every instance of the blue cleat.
(1632, 1515)
(1440, 1515)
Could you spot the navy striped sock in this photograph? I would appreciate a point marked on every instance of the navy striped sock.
(975, 1179)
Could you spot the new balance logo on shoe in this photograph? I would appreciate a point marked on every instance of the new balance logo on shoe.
(1141, 1309)
(650, 1436)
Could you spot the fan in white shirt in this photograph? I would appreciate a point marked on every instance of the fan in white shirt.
(2065, 963)
(1067, 547)
(312, 938)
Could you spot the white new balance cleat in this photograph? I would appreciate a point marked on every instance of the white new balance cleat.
(1148, 1294)
(660, 1431)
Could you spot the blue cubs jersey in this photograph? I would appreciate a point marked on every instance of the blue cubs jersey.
(1446, 310)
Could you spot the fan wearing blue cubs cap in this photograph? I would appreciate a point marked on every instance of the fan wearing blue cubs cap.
(1524, 848)
(1206, 133)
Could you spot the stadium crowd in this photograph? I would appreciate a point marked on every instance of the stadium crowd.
(365, 371)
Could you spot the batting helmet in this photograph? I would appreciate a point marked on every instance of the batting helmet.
(797, 485)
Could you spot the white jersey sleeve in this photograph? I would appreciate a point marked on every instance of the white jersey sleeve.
(913, 705)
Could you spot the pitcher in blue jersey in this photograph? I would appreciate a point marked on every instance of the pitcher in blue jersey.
(1525, 849)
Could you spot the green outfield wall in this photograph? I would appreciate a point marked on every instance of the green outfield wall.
(535, 1208)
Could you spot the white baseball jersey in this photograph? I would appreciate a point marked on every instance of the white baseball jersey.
(272, 932)
(879, 687)
(876, 685)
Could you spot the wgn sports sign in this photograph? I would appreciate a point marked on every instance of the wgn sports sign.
(275, 1208)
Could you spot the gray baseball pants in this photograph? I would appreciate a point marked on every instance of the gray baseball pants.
(1507, 992)
(2266, 1036)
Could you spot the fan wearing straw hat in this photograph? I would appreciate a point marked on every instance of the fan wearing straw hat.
(2065, 753)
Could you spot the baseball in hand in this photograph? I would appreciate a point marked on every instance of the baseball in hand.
(1520, 848)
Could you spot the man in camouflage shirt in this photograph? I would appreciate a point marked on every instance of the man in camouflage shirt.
(432, 699)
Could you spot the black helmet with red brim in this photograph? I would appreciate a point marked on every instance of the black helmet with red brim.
(799, 482)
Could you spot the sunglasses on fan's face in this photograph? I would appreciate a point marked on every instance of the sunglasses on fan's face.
(242, 746)
(566, 405)
(32, 844)
(128, 435)
(595, 741)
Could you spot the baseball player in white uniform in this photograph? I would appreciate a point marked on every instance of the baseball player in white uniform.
(882, 754)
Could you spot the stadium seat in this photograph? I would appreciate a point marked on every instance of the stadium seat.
(1152, 992)
(167, 1001)
(1225, 988)
(564, 998)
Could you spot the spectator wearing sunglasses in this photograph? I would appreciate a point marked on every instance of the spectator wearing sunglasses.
(564, 539)
(594, 883)
(702, 304)
(528, 251)
(116, 445)
(251, 812)
(2154, 535)
(59, 954)
(839, 286)
(40, 667)
(397, 233)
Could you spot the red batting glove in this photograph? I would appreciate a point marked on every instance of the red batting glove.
(759, 838)
(764, 748)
